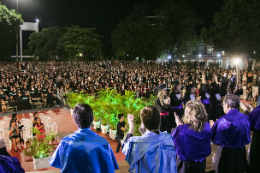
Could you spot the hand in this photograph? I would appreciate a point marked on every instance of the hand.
(198, 98)
(211, 122)
(249, 106)
(243, 106)
(177, 120)
(130, 120)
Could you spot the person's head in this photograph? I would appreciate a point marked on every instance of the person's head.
(230, 101)
(13, 123)
(39, 121)
(121, 117)
(150, 117)
(195, 115)
(35, 114)
(176, 87)
(82, 115)
(13, 115)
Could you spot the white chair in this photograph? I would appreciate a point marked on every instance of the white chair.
(2, 125)
(25, 123)
(2, 133)
(27, 135)
(52, 127)
(46, 120)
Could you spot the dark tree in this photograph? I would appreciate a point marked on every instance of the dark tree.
(236, 28)
(9, 24)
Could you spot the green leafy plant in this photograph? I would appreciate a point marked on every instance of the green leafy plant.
(107, 104)
(40, 148)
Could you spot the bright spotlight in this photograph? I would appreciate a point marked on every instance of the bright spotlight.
(37, 20)
(200, 55)
(183, 56)
(237, 60)
(169, 57)
(218, 55)
(80, 55)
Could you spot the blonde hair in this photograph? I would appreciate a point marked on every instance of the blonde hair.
(195, 115)
(161, 97)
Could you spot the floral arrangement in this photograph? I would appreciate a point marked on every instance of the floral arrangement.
(107, 104)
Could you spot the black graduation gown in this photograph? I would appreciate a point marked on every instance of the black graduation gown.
(19, 103)
(203, 92)
(164, 118)
(174, 102)
(231, 160)
(190, 166)
(254, 155)
(49, 99)
(216, 108)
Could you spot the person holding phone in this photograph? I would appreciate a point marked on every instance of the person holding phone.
(14, 134)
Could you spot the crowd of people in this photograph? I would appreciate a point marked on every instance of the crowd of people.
(176, 133)
(49, 81)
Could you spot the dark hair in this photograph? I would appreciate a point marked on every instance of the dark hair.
(14, 115)
(12, 121)
(35, 113)
(232, 100)
(150, 117)
(120, 116)
(83, 115)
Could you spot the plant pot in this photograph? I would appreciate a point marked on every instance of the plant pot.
(96, 124)
(104, 129)
(41, 163)
(112, 134)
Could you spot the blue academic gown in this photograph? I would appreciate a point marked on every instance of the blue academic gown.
(151, 153)
(254, 155)
(231, 133)
(10, 164)
(84, 152)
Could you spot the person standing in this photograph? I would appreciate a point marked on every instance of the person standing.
(84, 150)
(162, 103)
(231, 133)
(249, 91)
(154, 151)
(254, 154)
(192, 139)
(176, 104)
(121, 128)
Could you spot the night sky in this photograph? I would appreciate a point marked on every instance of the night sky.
(104, 15)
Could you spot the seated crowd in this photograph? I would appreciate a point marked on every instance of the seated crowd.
(24, 83)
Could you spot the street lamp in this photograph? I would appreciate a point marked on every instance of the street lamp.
(169, 57)
(237, 60)
(17, 34)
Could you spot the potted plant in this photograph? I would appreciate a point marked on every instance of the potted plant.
(113, 120)
(104, 126)
(40, 149)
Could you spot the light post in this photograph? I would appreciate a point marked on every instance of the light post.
(237, 60)
(17, 34)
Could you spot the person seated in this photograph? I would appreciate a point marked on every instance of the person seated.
(12, 102)
(43, 99)
(14, 134)
(84, 150)
(3, 106)
(8, 163)
(192, 139)
(40, 127)
(154, 151)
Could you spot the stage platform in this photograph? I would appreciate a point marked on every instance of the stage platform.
(65, 125)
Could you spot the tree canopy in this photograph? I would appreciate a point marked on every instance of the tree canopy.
(235, 28)
(178, 21)
(44, 43)
(9, 24)
(70, 43)
(136, 37)
(85, 41)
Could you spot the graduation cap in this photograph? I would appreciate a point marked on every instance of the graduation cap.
(176, 82)
(160, 87)
(190, 86)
